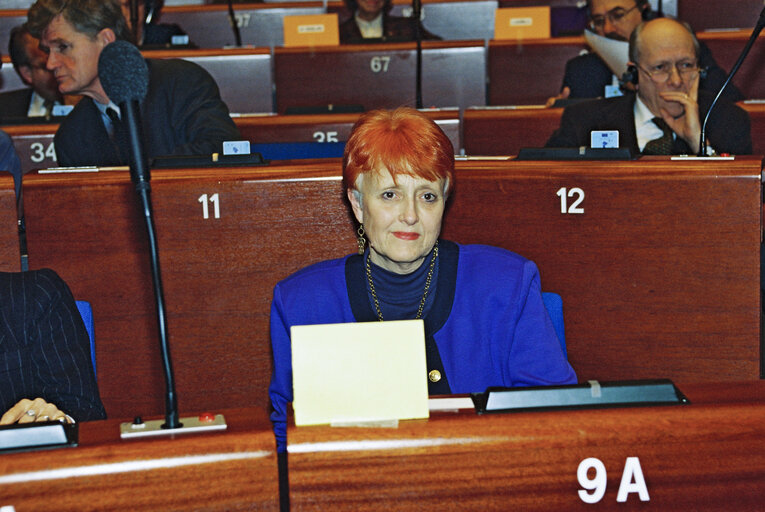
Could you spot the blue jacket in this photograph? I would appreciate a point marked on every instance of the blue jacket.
(488, 321)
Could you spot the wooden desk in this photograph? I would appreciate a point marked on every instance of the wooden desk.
(208, 26)
(726, 48)
(529, 72)
(455, 20)
(380, 76)
(504, 131)
(328, 127)
(711, 14)
(230, 470)
(703, 456)
(243, 75)
(34, 144)
(635, 271)
(9, 238)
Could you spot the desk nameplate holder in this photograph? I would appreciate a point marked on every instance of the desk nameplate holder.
(191, 425)
(43, 435)
(592, 394)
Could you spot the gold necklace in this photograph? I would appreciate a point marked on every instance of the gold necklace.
(424, 293)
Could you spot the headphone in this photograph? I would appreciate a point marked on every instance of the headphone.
(631, 75)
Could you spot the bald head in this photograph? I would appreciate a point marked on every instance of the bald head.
(659, 34)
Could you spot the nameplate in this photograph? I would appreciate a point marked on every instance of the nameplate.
(592, 394)
(37, 436)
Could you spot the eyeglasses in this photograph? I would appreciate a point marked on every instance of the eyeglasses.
(660, 73)
(614, 17)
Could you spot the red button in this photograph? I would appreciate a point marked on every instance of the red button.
(206, 417)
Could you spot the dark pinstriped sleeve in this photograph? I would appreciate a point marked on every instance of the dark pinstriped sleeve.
(44, 348)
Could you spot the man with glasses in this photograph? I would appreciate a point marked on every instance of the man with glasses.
(587, 76)
(665, 115)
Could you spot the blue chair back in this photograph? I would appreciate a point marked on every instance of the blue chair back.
(298, 150)
(554, 305)
(86, 312)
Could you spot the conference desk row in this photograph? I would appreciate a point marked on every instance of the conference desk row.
(454, 73)
(703, 456)
(657, 262)
(476, 131)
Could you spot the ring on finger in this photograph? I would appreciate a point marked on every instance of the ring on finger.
(30, 412)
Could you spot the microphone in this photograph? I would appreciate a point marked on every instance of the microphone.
(234, 25)
(124, 77)
(416, 14)
(755, 33)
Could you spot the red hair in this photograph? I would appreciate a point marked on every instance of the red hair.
(404, 141)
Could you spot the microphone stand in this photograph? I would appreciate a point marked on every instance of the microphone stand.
(234, 25)
(139, 172)
(733, 71)
(134, 20)
(416, 10)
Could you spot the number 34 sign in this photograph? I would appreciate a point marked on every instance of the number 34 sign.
(593, 489)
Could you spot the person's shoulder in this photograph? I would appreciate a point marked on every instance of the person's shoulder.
(315, 275)
(480, 251)
(85, 110)
(178, 69)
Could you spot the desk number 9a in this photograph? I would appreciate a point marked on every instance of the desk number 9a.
(593, 489)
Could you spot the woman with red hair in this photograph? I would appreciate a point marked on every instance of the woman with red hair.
(485, 322)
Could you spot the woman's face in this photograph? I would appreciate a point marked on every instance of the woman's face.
(369, 9)
(402, 219)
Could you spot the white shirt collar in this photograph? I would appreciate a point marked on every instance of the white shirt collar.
(37, 106)
(645, 129)
(370, 29)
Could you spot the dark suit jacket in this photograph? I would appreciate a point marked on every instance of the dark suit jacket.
(15, 104)
(44, 348)
(728, 129)
(9, 160)
(182, 114)
(394, 29)
(587, 76)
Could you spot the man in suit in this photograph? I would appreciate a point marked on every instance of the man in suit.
(46, 371)
(588, 76)
(371, 21)
(182, 113)
(666, 114)
(29, 62)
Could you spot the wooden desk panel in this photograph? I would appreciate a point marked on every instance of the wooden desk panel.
(505, 131)
(703, 456)
(243, 75)
(231, 470)
(34, 145)
(634, 271)
(10, 259)
(711, 14)
(327, 127)
(726, 48)
(529, 72)
(636, 267)
(380, 76)
(208, 26)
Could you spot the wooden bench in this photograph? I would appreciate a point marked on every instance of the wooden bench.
(327, 127)
(34, 143)
(380, 76)
(529, 72)
(504, 131)
(9, 232)
(260, 24)
(635, 270)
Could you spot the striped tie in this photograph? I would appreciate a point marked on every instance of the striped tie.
(662, 145)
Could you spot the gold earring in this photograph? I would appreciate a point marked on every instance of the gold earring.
(360, 238)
